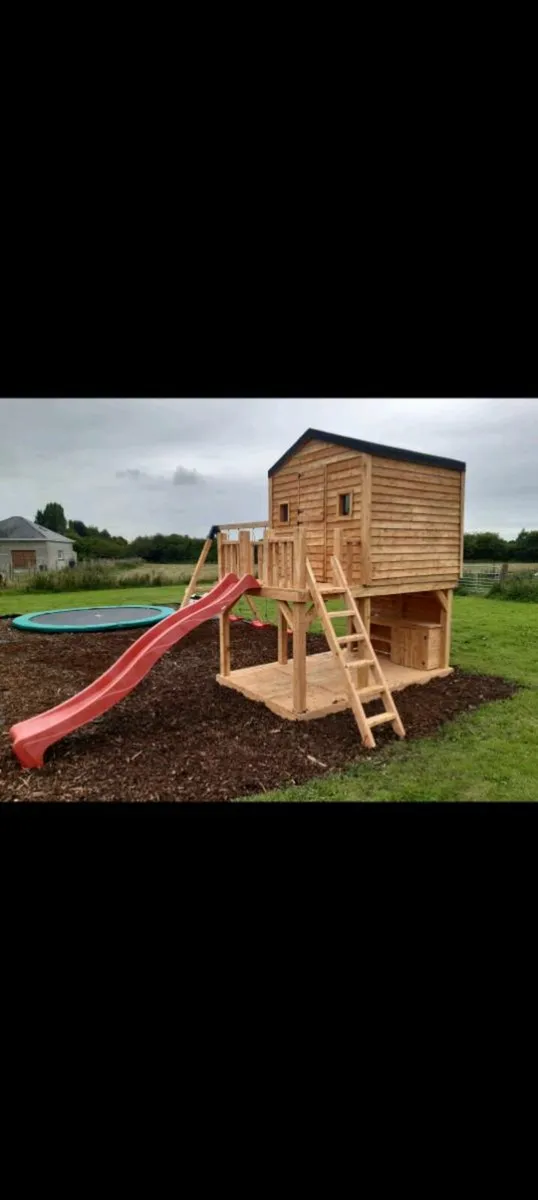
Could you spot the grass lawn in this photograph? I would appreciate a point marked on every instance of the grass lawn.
(489, 755)
(12, 601)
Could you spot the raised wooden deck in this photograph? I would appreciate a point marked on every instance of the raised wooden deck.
(271, 685)
(302, 595)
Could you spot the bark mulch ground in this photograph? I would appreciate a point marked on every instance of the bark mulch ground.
(180, 736)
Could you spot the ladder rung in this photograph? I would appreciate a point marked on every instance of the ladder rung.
(381, 719)
(360, 662)
(352, 637)
(342, 612)
(368, 693)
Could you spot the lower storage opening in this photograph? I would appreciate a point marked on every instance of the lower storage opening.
(407, 630)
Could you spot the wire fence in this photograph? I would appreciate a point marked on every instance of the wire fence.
(478, 583)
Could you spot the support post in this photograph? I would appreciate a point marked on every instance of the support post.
(446, 630)
(365, 607)
(366, 519)
(225, 655)
(282, 637)
(299, 657)
(197, 571)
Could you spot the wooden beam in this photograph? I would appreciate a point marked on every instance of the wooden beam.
(290, 595)
(196, 573)
(287, 612)
(366, 519)
(299, 658)
(462, 510)
(252, 606)
(244, 525)
(442, 600)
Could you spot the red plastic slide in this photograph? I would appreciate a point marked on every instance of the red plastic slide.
(32, 738)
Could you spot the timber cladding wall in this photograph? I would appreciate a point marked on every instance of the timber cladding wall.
(403, 519)
(415, 523)
(311, 483)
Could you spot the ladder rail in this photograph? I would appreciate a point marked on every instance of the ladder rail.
(368, 657)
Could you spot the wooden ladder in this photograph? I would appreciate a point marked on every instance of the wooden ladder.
(358, 695)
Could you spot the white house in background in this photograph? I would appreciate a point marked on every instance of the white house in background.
(25, 546)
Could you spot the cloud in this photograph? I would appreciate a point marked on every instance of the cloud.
(114, 463)
(185, 478)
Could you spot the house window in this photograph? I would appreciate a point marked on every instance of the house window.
(284, 514)
(344, 504)
(60, 553)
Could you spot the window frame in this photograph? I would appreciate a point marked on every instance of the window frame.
(343, 516)
(283, 504)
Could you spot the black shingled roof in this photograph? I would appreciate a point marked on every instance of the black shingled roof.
(426, 460)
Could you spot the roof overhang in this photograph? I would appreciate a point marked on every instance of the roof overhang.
(378, 451)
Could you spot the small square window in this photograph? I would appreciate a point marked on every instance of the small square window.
(344, 504)
(284, 514)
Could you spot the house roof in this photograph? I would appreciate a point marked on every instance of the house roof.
(18, 529)
(426, 460)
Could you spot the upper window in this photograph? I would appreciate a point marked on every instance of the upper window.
(60, 553)
(344, 504)
(284, 511)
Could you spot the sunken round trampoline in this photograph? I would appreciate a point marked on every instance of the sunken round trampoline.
(93, 620)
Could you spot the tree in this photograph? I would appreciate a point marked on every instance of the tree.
(79, 528)
(52, 517)
(486, 547)
(526, 546)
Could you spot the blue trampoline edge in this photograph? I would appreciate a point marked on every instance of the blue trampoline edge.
(29, 624)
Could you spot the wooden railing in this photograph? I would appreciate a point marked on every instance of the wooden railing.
(236, 555)
(279, 561)
(284, 560)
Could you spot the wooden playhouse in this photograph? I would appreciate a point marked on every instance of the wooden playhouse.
(369, 539)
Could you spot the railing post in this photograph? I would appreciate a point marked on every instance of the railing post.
(299, 558)
(221, 541)
(265, 579)
(300, 626)
(245, 556)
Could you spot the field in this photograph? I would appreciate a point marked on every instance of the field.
(175, 572)
(153, 746)
(514, 568)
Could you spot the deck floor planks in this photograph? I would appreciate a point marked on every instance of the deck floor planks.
(271, 684)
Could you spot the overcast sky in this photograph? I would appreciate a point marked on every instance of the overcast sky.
(179, 466)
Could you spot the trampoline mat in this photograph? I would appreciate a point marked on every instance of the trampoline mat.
(94, 616)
